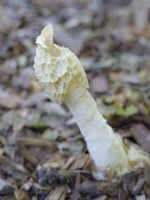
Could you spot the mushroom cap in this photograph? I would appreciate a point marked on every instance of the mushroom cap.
(56, 67)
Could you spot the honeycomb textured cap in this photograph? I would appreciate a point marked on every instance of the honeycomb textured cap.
(56, 67)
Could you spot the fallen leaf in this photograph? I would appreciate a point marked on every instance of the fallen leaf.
(99, 84)
(142, 135)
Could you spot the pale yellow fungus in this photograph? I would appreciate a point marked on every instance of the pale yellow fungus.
(63, 78)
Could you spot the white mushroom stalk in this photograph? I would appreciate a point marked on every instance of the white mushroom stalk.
(61, 75)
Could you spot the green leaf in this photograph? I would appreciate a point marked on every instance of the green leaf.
(128, 111)
(35, 121)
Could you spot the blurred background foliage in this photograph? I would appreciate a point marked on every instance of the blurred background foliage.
(112, 40)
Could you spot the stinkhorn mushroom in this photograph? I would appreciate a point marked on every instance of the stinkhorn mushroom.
(62, 76)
